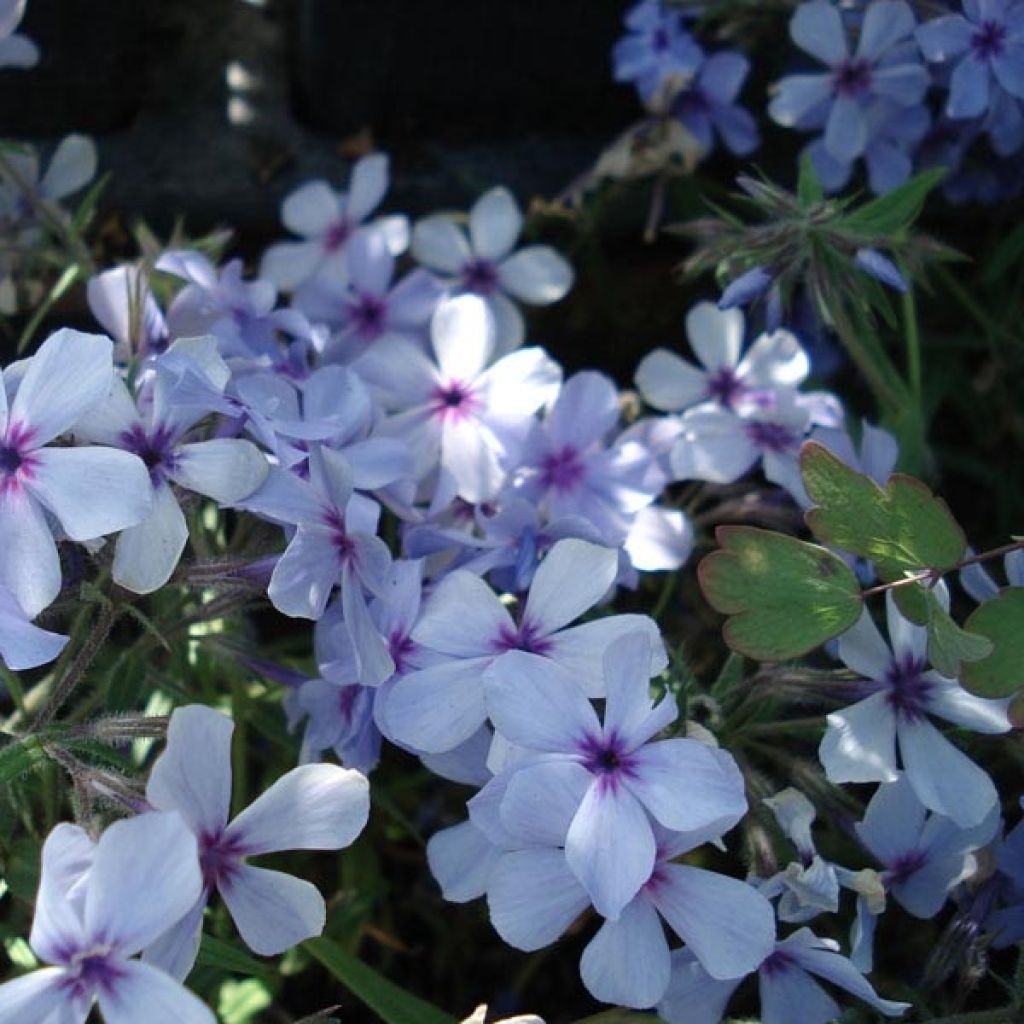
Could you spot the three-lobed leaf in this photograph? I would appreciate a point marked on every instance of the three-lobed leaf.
(902, 527)
(1001, 621)
(783, 596)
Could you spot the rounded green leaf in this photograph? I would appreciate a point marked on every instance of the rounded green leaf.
(1001, 620)
(783, 596)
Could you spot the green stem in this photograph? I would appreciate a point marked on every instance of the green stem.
(1005, 1015)
(913, 340)
(866, 351)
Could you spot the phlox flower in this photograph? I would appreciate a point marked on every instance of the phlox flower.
(1005, 923)
(986, 44)
(91, 491)
(789, 995)
(978, 582)
(312, 807)
(862, 741)
(894, 132)
(616, 778)
(334, 543)
(571, 466)
(123, 305)
(708, 105)
(240, 314)
(225, 469)
(463, 412)
(923, 855)
(483, 263)
(364, 306)
(23, 645)
(671, 384)
(16, 51)
(437, 707)
(326, 220)
(97, 906)
(72, 166)
(884, 65)
(655, 47)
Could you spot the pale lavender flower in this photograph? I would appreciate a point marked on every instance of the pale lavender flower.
(438, 707)
(484, 262)
(789, 995)
(91, 491)
(571, 466)
(157, 431)
(122, 303)
(656, 47)
(923, 855)
(326, 220)
(463, 412)
(980, 585)
(616, 777)
(364, 306)
(671, 384)
(16, 51)
(72, 166)
(97, 906)
(335, 543)
(312, 807)
(743, 290)
(885, 65)
(240, 314)
(861, 741)
(986, 43)
(23, 645)
(708, 105)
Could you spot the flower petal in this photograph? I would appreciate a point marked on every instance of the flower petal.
(29, 564)
(463, 618)
(627, 962)
(142, 992)
(273, 911)
(193, 774)
(147, 554)
(42, 996)
(225, 469)
(462, 858)
(818, 30)
(22, 644)
(536, 275)
(669, 383)
(438, 243)
(312, 807)
(860, 742)
(495, 223)
(573, 577)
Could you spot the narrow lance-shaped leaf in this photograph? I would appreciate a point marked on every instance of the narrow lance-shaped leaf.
(900, 528)
(1001, 621)
(783, 596)
(390, 1002)
(896, 210)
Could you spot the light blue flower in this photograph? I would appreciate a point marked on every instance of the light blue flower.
(885, 65)
(708, 105)
(656, 47)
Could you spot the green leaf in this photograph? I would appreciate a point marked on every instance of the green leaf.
(948, 643)
(238, 1002)
(783, 596)
(897, 210)
(226, 956)
(392, 1004)
(808, 188)
(1001, 620)
(19, 756)
(61, 285)
(620, 1016)
(901, 528)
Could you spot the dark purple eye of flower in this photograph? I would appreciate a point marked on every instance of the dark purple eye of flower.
(990, 39)
(337, 235)
(852, 78)
(95, 972)
(368, 314)
(660, 40)
(10, 459)
(772, 437)
(777, 963)
(480, 276)
(562, 469)
(155, 449)
(218, 859)
(724, 386)
(908, 689)
(526, 638)
(905, 865)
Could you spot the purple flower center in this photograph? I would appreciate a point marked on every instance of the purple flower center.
(368, 314)
(905, 865)
(908, 689)
(563, 469)
(335, 522)
(771, 437)
(347, 702)
(95, 971)
(337, 234)
(724, 386)
(219, 858)
(660, 40)
(776, 963)
(852, 78)
(990, 40)
(401, 647)
(455, 400)
(10, 459)
(156, 449)
(480, 276)
(16, 459)
(608, 758)
(527, 637)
